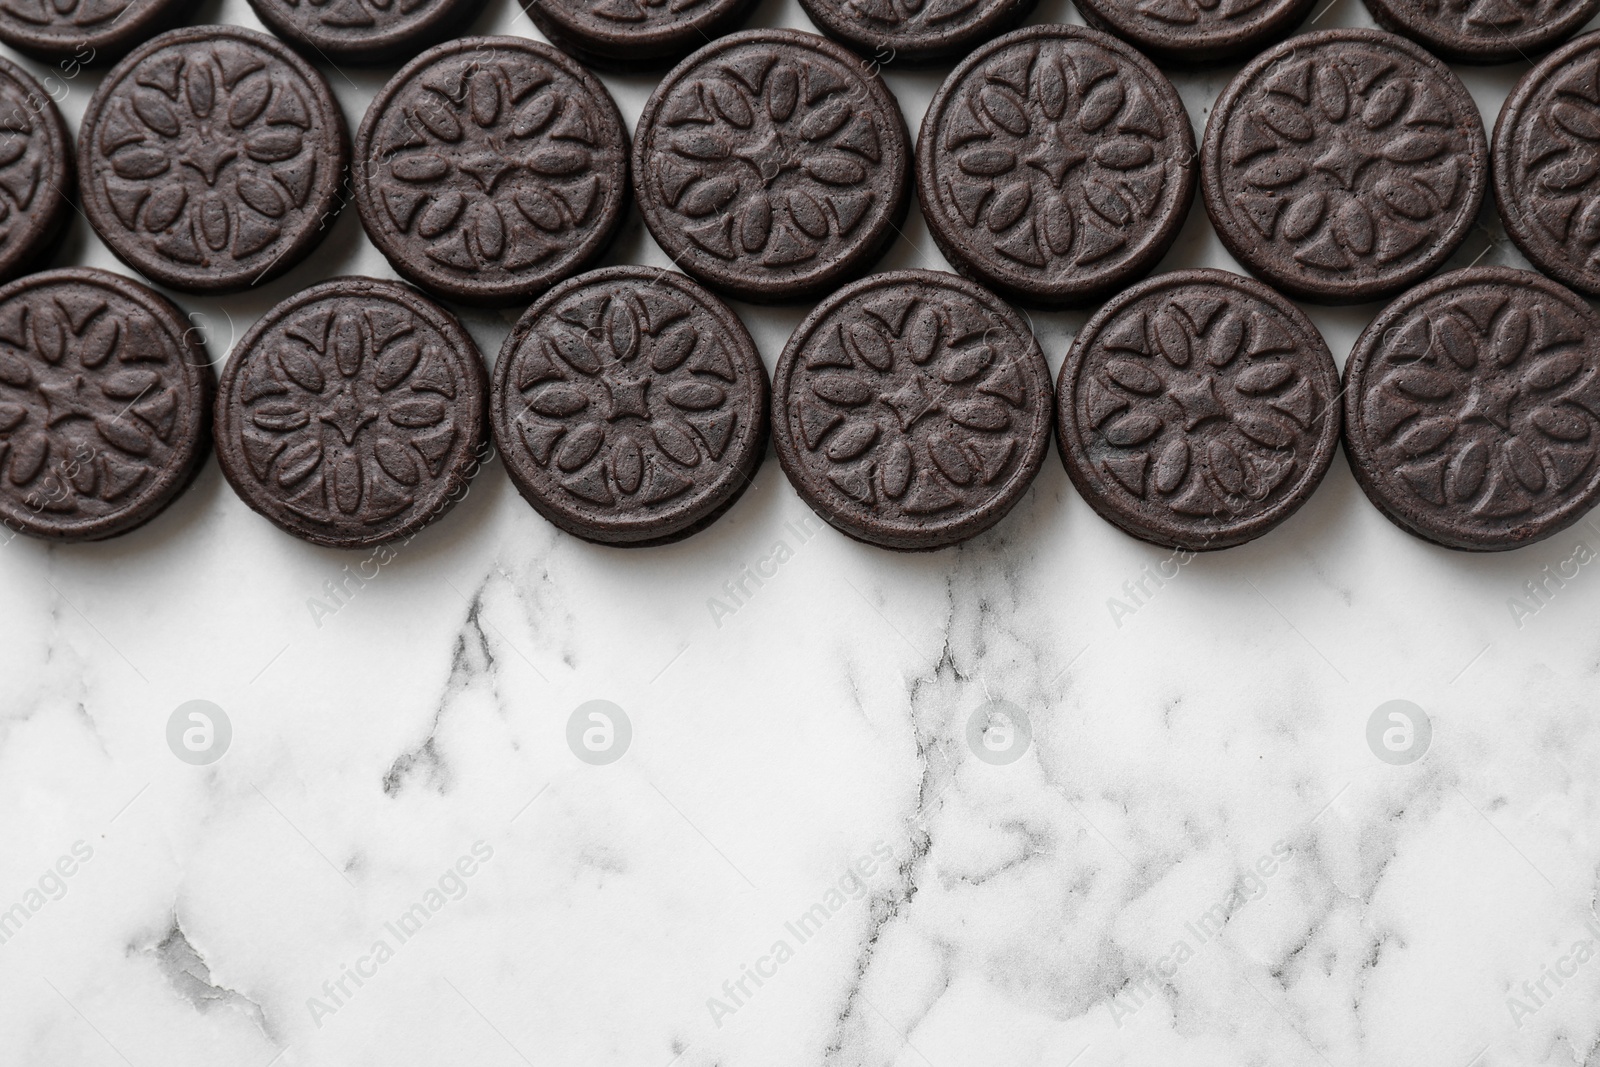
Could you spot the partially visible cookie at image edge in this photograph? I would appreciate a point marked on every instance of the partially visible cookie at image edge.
(105, 403)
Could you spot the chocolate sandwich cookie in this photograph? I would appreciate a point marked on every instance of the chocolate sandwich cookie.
(1484, 31)
(634, 34)
(1546, 162)
(490, 168)
(1198, 410)
(1196, 31)
(352, 413)
(914, 32)
(364, 31)
(1343, 165)
(211, 158)
(772, 165)
(1472, 409)
(1056, 165)
(911, 410)
(85, 33)
(630, 406)
(105, 401)
(36, 173)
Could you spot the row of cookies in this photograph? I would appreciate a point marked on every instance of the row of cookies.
(911, 409)
(1056, 165)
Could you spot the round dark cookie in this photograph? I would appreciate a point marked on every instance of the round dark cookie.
(1056, 165)
(633, 34)
(86, 33)
(352, 413)
(36, 173)
(211, 158)
(772, 165)
(490, 168)
(1484, 31)
(1343, 165)
(630, 406)
(912, 32)
(105, 400)
(1472, 409)
(364, 31)
(912, 409)
(1196, 31)
(1198, 410)
(1546, 162)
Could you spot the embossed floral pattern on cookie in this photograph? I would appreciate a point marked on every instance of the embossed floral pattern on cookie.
(1474, 408)
(913, 408)
(630, 405)
(491, 167)
(1197, 410)
(1344, 165)
(351, 414)
(772, 164)
(103, 404)
(1057, 164)
(1547, 165)
(212, 159)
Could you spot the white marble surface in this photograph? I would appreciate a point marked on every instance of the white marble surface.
(1205, 755)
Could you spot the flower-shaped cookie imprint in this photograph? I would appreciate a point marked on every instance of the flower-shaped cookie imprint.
(348, 411)
(768, 156)
(635, 13)
(1058, 152)
(30, 191)
(208, 159)
(497, 160)
(627, 397)
(1201, 403)
(1492, 20)
(914, 405)
(1349, 160)
(1552, 158)
(1198, 14)
(345, 15)
(94, 402)
(1479, 403)
(909, 16)
(73, 14)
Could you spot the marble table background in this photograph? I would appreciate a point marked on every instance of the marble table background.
(799, 859)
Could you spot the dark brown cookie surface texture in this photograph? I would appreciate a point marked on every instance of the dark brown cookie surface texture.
(628, 34)
(1198, 410)
(210, 159)
(490, 168)
(1547, 164)
(1472, 409)
(1344, 165)
(1056, 165)
(85, 32)
(353, 413)
(1484, 31)
(364, 31)
(105, 399)
(1196, 31)
(630, 406)
(912, 409)
(36, 173)
(772, 165)
(914, 31)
